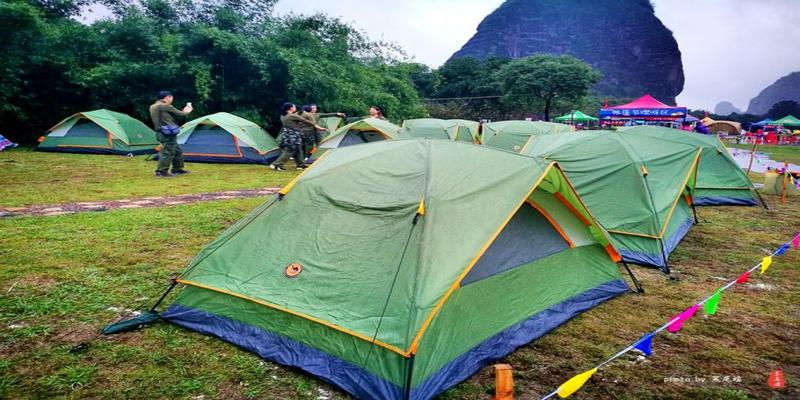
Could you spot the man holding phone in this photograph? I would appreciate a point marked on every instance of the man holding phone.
(164, 115)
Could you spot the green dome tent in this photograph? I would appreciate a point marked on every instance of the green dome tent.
(513, 135)
(575, 116)
(432, 128)
(788, 120)
(362, 131)
(331, 124)
(226, 138)
(638, 187)
(100, 132)
(397, 298)
(720, 180)
(473, 127)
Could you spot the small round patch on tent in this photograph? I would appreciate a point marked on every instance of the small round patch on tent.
(293, 270)
(516, 147)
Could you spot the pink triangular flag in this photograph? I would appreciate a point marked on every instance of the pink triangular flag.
(682, 317)
(743, 277)
(796, 241)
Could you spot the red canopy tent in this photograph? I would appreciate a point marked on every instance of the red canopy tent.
(645, 108)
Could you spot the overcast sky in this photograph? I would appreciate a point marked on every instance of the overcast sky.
(732, 49)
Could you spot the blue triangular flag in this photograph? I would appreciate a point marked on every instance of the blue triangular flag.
(645, 344)
(782, 249)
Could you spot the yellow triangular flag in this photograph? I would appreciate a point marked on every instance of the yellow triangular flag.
(575, 383)
(765, 263)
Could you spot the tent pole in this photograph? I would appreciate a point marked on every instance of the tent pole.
(694, 211)
(658, 223)
(164, 295)
(763, 203)
(664, 254)
(409, 375)
(785, 179)
(752, 155)
(639, 288)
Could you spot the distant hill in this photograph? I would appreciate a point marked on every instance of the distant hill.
(726, 108)
(623, 39)
(786, 88)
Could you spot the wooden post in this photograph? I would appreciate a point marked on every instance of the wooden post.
(785, 179)
(752, 155)
(503, 382)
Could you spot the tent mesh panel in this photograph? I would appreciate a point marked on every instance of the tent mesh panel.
(527, 238)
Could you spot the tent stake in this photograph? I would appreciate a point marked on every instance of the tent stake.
(503, 382)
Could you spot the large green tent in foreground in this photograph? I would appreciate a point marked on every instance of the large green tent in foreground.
(513, 135)
(638, 187)
(362, 131)
(226, 138)
(365, 274)
(100, 132)
(432, 128)
(720, 180)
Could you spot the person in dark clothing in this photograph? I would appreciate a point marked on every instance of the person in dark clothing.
(701, 128)
(291, 137)
(312, 136)
(164, 115)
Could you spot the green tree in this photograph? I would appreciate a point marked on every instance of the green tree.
(784, 108)
(544, 81)
(221, 55)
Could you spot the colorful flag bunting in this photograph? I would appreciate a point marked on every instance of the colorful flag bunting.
(645, 344)
(682, 317)
(743, 277)
(765, 263)
(712, 303)
(575, 383)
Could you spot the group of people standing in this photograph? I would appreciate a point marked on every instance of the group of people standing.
(300, 133)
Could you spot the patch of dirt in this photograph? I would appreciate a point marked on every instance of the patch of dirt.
(146, 202)
(77, 334)
(40, 283)
(231, 391)
(16, 348)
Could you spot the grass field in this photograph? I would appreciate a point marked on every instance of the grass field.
(62, 278)
(778, 153)
(48, 178)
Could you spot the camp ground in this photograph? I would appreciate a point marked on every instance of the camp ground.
(638, 187)
(226, 138)
(385, 306)
(432, 128)
(513, 135)
(362, 131)
(99, 132)
(720, 180)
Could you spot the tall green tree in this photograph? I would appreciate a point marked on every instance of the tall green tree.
(543, 81)
(784, 108)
